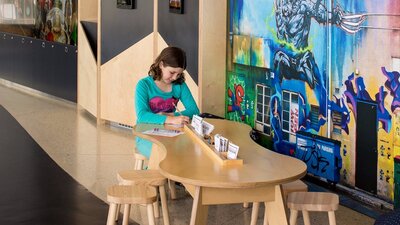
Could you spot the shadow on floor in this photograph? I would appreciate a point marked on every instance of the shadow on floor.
(34, 189)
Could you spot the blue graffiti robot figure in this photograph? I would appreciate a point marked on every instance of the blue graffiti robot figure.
(294, 60)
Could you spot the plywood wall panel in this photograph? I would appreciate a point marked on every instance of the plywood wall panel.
(87, 10)
(119, 77)
(87, 74)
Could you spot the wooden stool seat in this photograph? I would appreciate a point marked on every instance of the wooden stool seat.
(147, 177)
(127, 195)
(312, 201)
(124, 194)
(133, 177)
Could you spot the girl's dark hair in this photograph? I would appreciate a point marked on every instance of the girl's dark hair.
(169, 56)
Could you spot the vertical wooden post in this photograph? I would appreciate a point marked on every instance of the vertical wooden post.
(199, 211)
(212, 55)
(98, 116)
(276, 209)
(155, 30)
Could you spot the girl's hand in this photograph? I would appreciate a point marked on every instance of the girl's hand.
(177, 120)
(166, 114)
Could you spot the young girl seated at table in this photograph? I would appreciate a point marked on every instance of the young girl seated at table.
(158, 94)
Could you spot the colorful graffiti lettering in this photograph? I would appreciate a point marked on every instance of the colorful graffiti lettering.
(383, 114)
(294, 120)
(351, 95)
(392, 84)
(341, 107)
(313, 157)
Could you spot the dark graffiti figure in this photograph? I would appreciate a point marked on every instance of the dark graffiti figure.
(294, 60)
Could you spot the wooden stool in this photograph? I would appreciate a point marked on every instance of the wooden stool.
(312, 201)
(127, 195)
(147, 177)
(295, 186)
(139, 162)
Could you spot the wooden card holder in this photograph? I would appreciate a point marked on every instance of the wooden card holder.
(218, 156)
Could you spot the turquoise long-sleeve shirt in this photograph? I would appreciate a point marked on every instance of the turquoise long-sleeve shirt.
(150, 100)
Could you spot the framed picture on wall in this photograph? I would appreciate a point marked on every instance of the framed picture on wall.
(126, 4)
(176, 6)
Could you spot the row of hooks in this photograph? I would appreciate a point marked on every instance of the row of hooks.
(66, 49)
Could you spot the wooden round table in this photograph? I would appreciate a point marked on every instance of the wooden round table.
(185, 159)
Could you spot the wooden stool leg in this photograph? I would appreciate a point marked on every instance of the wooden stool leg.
(156, 209)
(306, 217)
(172, 189)
(127, 212)
(293, 216)
(117, 212)
(164, 206)
(111, 214)
(254, 213)
(332, 219)
(245, 205)
(139, 161)
(265, 216)
(138, 164)
(150, 214)
(265, 220)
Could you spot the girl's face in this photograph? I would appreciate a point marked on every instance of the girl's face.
(170, 74)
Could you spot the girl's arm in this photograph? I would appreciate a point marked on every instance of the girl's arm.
(188, 102)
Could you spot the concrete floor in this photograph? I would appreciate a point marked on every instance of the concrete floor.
(92, 154)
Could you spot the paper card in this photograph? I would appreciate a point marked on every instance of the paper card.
(217, 142)
(221, 143)
(207, 128)
(163, 132)
(225, 144)
(197, 124)
(233, 151)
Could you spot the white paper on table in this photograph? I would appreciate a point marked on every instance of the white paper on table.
(163, 132)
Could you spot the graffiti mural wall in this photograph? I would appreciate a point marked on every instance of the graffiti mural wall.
(313, 66)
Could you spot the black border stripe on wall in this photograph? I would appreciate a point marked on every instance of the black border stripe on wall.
(49, 67)
(182, 30)
(122, 28)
